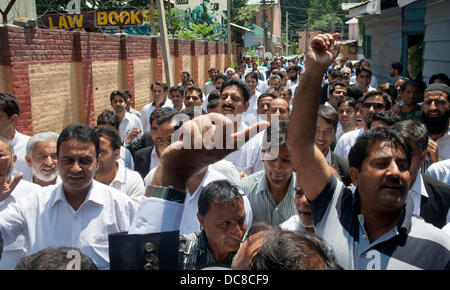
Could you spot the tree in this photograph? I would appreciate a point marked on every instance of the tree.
(324, 23)
(246, 15)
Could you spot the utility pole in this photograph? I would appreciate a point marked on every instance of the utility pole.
(307, 30)
(333, 23)
(230, 52)
(287, 31)
(266, 43)
(165, 48)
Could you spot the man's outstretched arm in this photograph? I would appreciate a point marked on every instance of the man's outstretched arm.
(309, 163)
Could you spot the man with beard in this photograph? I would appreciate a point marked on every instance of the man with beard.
(374, 227)
(41, 158)
(435, 116)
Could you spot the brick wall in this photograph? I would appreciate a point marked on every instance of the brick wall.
(63, 77)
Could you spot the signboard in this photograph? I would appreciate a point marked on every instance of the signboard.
(95, 19)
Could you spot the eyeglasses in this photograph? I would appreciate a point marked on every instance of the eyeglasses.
(376, 106)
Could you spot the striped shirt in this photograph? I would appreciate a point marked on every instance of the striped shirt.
(264, 207)
(195, 253)
(412, 244)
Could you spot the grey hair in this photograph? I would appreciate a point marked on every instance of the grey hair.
(40, 137)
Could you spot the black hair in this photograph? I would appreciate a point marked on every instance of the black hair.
(212, 104)
(334, 84)
(363, 68)
(265, 95)
(440, 76)
(219, 191)
(111, 134)
(389, 89)
(158, 83)
(347, 100)
(220, 76)
(9, 104)
(354, 91)
(414, 131)
(190, 112)
(386, 98)
(107, 117)
(397, 66)
(329, 115)
(359, 150)
(387, 117)
(410, 83)
(162, 115)
(187, 73)
(251, 75)
(55, 259)
(214, 95)
(120, 93)
(196, 89)
(176, 88)
(80, 133)
(245, 88)
(293, 250)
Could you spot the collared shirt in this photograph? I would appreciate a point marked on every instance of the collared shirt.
(264, 207)
(15, 251)
(129, 182)
(154, 159)
(251, 116)
(128, 123)
(46, 219)
(440, 170)
(417, 190)
(189, 221)
(126, 158)
(292, 224)
(195, 252)
(346, 142)
(20, 150)
(148, 110)
(411, 244)
(247, 158)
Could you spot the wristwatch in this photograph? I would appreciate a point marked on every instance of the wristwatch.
(166, 192)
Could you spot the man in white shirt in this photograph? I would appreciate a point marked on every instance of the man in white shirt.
(130, 125)
(14, 251)
(9, 114)
(209, 86)
(372, 102)
(111, 172)
(233, 102)
(42, 160)
(440, 171)
(250, 116)
(79, 212)
(159, 92)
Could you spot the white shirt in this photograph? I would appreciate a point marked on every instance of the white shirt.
(126, 158)
(262, 86)
(148, 110)
(208, 88)
(189, 221)
(129, 182)
(417, 190)
(15, 251)
(128, 123)
(247, 158)
(292, 85)
(250, 116)
(46, 219)
(443, 146)
(292, 224)
(446, 229)
(440, 170)
(154, 159)
(20, 150)
(346, 142)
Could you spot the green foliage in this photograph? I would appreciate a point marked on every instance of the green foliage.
(324, 23)
(415, 59)
(202, 31)
(246, 15)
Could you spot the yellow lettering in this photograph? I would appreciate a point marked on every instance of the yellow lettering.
(134, 17)
(124, 17)
(113, 17)
(63, 22)
(50, 23)
(102, 18)
(76, 19)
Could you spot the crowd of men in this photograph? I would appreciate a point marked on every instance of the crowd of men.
(327, 169)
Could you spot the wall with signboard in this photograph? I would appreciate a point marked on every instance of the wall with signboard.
(61, 77)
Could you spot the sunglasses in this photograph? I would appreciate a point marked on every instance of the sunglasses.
(376, 106)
